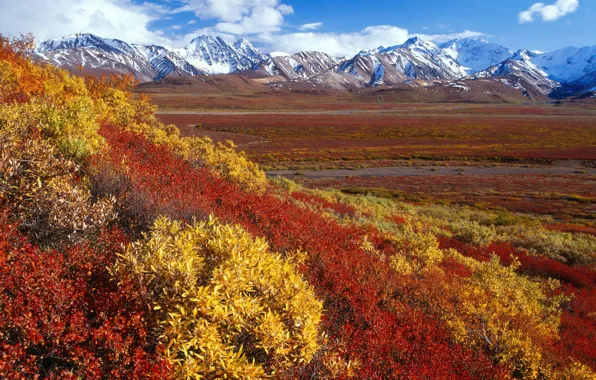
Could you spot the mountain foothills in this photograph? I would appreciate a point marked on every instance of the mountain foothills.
(418, 63)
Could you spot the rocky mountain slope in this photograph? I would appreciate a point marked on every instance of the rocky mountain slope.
(562, 73)
(102, 55)
(213, 55)
(299, 66)
(415, 59)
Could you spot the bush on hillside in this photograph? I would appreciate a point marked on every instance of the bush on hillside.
(228, 163)
(228, 307)
(45, 193)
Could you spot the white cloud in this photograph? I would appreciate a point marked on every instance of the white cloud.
(549, 12)
(311, 26)
(259, 20)
(336, 44)
(240, 16)
(107, 18)
(440, 38)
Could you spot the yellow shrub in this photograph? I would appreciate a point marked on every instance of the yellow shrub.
(472, 232)
(577, 371)
(507, 312)
(416, 249)
(563, 246)
(67, 120)
(228, 163)
(228, 307)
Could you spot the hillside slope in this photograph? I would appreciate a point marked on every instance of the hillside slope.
(127, 251)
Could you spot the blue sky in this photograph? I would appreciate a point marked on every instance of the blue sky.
(335, 26)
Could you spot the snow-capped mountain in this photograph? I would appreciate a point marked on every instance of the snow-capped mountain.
(166, 62)
(246, 48)
(214, 55)
(519, 72)
(299, 66)
(415, 59)
(566, 72)
(476, 54)
(102, 55)
(574, 68)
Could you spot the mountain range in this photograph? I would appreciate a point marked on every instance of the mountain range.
(563, 73)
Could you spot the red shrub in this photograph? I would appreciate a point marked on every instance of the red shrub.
(389, 338)
(579, 276)
(63, 318)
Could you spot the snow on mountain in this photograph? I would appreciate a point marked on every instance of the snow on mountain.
(574, 68)
(214, 55)
(521, 73)
(166, 62)
(247, 49)
(279, 54)
(568, 64)
(415, 59)
(104, 55)
(97, 55)
(476, 54)
(203, 55)
(85, 40)
(566, 72)
(299, 66)
(424, 60)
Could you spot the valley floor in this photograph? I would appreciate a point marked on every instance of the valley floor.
(528, 158)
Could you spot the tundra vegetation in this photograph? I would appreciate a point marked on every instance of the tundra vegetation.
(127, 251)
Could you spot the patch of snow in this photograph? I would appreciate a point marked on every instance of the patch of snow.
(459, 86)
(378, 73)
(279, 54)
(476, 54)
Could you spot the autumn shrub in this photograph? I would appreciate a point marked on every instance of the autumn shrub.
(46, 193)
(416, 250)
(50, 100)
(228, 307)
(19, 77)
(472, 232)
(523, 337)
(374, 334)
(63, 318)
(511, 315)
(563, 246)
(228, 163)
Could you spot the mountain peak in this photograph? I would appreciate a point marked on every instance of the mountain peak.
(413, 40)
(523, 55)
(214, 55)
(79, 35)
(206, 38)
(242, 41)
(81, 40)
(475, 53)
(417, 42)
